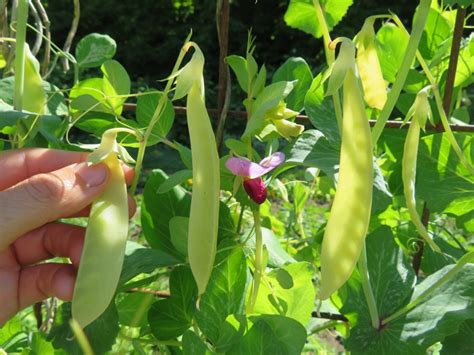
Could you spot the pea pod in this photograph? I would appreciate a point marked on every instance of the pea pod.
(106, 236)
(350, 213)
(419, 112)
(375, 90)
(204, 214)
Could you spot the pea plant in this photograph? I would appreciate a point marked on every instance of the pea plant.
(339, 219)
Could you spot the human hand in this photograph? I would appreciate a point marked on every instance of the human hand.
(37, 187)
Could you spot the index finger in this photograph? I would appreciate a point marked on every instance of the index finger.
(18, 165)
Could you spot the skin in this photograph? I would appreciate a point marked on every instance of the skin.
(37, 187)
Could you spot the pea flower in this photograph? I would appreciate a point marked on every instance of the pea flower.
(252, 173)
(279, 116)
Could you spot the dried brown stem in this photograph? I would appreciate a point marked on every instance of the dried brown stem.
(72, 33)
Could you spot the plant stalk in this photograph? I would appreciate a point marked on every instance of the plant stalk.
(22, 16)
(257, 276)
(330, 59)
(367, 287)
(397, 86)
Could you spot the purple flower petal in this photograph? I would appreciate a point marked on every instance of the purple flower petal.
(271, 162)
(244, 167)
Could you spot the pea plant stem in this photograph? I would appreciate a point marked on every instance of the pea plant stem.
(439, 105)
(22, 16)
(154, 119)
(467, 258)
(330, 58)
(258, 261)
(397, 86)
(367, 288)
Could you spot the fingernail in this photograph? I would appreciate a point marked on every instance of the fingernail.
(92, 175)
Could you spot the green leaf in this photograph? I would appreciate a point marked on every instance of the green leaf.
(170, 318)
(391, 45)
(94, 49)
(93, 88)
(158, 209)
(272, 334)
(55, 100)
(146, 106)
(101, 333)
(179, 233)
(39, 345)
(320, 110)
(225, 292)
(239, 65)
(465, 68)
(433, 261)
(461, 342)
(133, 309)
(295, 68)
(437, 30)
(193, 344)
(301, 14)
(442, 181)
(268, 98)
(288, 291)
(442, 313)
(277, 256)
(139, 259)
(174, 180)
(116, 82)
(463, 3)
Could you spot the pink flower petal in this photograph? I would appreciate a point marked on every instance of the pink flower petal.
(271, 162)
(244, 167)
(256, 189)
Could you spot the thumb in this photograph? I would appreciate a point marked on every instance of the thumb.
(44, 198)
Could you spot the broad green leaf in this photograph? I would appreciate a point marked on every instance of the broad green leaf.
(442, 181)
(170, 318)
(461, 342)
(39, 345)
(139, 259)
(133, 308)
(146, 106)
(193, 344)
(179, 233)
(391, 277)
(34, 97)
(116, 82)
(55, 104)
(391, 44)
(239, 67)
(225, 292)
(268, 98)
(301, 14)
(295, 68)
(94, 49)
(158, 209)
(463, 3)
(277, 256)
(437, 30)
(175, 179)
(433, 261)
(9, 330)
(92, 87)
(443, 312)
(288, 291)
(101, 333)
(465, 69)
(320, 110)
(272, 334)
(3, 62)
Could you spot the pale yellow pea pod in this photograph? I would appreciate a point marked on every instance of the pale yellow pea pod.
(350, 213)
(375, 89)
(105, 240)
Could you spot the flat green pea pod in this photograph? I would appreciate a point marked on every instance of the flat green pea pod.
(419, 113)
(375, 89)
(350, 213)
(106, 237)
(204, 215)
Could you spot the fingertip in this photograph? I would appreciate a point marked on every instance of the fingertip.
(63, 283)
